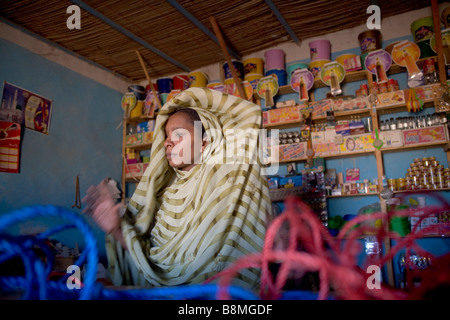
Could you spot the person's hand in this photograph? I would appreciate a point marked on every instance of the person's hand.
(101, 204)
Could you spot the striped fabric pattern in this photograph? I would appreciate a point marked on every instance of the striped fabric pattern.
(182, 227)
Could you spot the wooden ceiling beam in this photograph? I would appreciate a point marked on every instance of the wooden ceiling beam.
(129, 34)
(200, 25)
(280, 18)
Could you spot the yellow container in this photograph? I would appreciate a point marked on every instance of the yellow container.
(253, 79)
(253, 65)
(214, 84)
(228, 81)
(315, 67)
(137, 110)
(197, 79)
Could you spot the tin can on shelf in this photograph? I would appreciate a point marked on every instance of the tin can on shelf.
(401, 183)
(392, 184)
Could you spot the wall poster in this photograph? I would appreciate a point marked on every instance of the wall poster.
(21, 106)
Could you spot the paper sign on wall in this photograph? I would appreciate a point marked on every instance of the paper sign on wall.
(9, 146)
(26, 108)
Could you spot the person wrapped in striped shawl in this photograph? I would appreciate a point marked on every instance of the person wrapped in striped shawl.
(202, 203)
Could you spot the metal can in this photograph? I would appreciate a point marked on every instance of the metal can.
(364, 89)
(392, 184)
(375, 88)
(391, 85)
(401, 183)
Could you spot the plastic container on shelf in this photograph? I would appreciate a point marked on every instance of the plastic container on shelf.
(180, 82)
(274, 59)
(279, 74)
(369, 40)
(197, 79)
(294, 66)
(316, 66)
(165, 85)
(238, 66)
(422, 29)
(320, 50)
(253, 65)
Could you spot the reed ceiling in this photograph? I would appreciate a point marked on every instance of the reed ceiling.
(181, 31)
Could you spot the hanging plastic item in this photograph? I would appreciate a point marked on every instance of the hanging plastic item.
(302, 80)
(406, 54)
(413, 102)
(378, 63)
(267, 88)
(332, 74)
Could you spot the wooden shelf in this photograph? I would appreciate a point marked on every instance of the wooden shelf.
(421, 190)
(444, 144)
(355, 195)
(130, 178)
(142, 146)
(139, 119)
(282, 193)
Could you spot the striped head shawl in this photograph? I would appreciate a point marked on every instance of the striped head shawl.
(182, 227)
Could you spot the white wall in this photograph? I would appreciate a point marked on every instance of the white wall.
(61, 57)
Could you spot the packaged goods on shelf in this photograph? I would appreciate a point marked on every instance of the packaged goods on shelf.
(274, 182)
(355, 143)
(391, 98)
(426, 92)
(290, 181)
(320, 108)
(323, 149)
(391, 138)
(134, 169)
(424, 135)
(146, 126)
(292, 151)
(343, 129)
(357, 103)
(133, 139)
(281, 115)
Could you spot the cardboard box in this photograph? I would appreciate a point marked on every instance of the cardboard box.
(391, 138)
(292, 151)
(320, 108)
(322, 149)
(424, 135)
(146, 126)
(352, 175)
(342, 129)
(356, 143)
(147, 137)
(291, 181)
(426, 92)
(133, 139)
(356, 127)
(391, 98)
(281, 115)
(273, 182)
(342, 104)
(135, 169)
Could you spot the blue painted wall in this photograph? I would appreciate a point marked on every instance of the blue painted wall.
(82, 140)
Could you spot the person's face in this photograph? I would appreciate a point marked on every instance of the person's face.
(182, 151)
